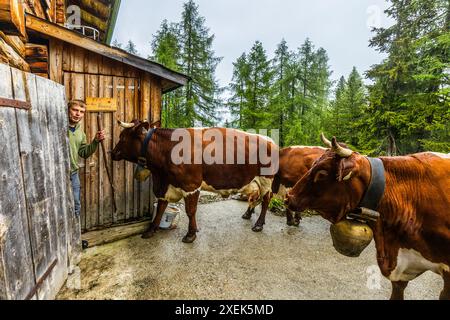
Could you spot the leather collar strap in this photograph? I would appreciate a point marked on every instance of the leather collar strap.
(143, 159)
(377, 185)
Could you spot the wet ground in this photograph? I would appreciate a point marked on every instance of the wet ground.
(229, 261)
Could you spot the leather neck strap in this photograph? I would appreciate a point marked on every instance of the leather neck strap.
(377, 185)
(142, 160)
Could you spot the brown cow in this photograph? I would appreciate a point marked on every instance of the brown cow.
(412, 234)
(295, 161)
(173, 180)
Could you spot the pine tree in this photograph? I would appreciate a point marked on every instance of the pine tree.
(310, 91)
(166, 47)
(258, 87)
(199, 63)
(186, 47)
(116, 44)
(409, 104)
(337, 111)
(280, 95)
(238, 86)
(354, 103)
(131, 48)
(166, 50)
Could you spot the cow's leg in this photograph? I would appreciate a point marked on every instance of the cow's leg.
(445, 294)
(259, 225)
(398, 290)
(154, 226)
(297, 218)
(248, 214)
(293, 219)
(191, 209)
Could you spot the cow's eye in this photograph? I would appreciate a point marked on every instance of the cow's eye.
(320, 175)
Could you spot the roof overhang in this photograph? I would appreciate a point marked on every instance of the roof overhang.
(112, 21)
(171, 80)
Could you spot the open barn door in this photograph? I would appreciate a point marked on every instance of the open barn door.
(132, 198)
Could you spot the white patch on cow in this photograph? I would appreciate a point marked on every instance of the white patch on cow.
(441, 155)
(309, 147)
(224, 192)
(256, 190)
(282, 191)
(411, 264)
(259, 187)
(174, 194)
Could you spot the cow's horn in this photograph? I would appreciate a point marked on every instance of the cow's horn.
(325, 141)
(341, 151)
(125, 125)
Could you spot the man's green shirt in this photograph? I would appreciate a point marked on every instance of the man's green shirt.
(79, 147)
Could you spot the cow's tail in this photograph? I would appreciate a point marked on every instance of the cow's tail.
(276, 183)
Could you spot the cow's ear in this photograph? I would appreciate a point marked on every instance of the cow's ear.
(142, 127)
(320, 175)
(347, 169)
(156, 124)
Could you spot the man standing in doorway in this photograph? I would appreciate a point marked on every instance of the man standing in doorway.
(79, 146)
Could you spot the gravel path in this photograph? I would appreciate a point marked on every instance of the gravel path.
(229, 261)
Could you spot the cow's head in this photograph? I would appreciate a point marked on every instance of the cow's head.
(334, 185)
(131, 139)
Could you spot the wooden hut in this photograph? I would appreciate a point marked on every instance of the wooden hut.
(89, 69)
(34, 38)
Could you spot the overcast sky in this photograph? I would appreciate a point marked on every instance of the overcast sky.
(341, 27)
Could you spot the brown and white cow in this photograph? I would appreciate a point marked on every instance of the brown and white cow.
(174, 181)
(412, 234)
(295, 161)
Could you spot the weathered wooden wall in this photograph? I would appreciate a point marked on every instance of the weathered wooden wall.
(39, 233)
(86, 74)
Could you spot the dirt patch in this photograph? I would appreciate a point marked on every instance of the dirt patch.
(229, 261)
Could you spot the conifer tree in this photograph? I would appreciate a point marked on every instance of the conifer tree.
(166, 50)
(198, 61)
(409, 103)
(131, 47)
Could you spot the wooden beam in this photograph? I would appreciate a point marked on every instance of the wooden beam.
(97, 238)
(12, 57)
(60, 12)
(91, 19)
(37, 57)
(35, 8)
(36, 52)
(48, 10)
(12, 18)
(95, 7)
(15, 43)
(56, 60)
(55, 31)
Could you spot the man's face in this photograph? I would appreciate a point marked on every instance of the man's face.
(76, 114)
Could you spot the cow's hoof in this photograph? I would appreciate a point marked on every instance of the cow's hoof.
(257, 228)
(293, 223)
(189, 238)
(247, 216)
(148, 234)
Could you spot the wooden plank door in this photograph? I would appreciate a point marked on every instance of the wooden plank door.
(17, 275)
(36, 219)
(132, 198)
